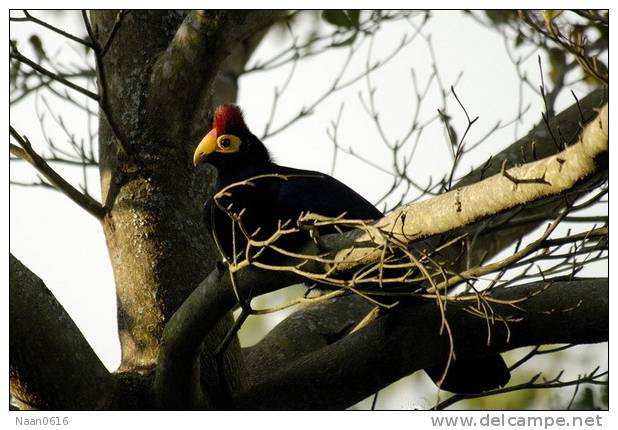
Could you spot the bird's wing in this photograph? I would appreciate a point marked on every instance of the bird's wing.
(281, 195)
(309, 191)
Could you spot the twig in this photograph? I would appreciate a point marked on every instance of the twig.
(16, 55)
(459, 151)
(113, 31)
(121, 138)
(29, 17)
(374, 402)
(338, 86)
(26, 152)
(231, 333)
(504, 172)
(591, 378)
(574, 45)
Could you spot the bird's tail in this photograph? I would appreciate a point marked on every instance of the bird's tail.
(472, 376)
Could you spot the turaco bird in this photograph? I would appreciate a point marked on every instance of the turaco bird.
(265, 195)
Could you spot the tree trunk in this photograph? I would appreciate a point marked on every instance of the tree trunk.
(157, 84)
(157, 242)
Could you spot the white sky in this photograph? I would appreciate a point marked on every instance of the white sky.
(66, 248)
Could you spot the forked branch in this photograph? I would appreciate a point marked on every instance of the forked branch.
(27, 153)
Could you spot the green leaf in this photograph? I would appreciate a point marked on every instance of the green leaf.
(519, 39)
(342, 18)
(550, 14)
(14, 72)
(601, 70)
(557, 61)
(37, 46)
(499, 16)
(88, 40)
(347, 41)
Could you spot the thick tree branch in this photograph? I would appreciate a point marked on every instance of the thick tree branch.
(331, 320)
(406, 339)
(189, 63)
(28, 154)
(283, 346)
(224, 88)
(538, 143)
(305, 331)
(514, 187)
(177, 383)
(52, 366)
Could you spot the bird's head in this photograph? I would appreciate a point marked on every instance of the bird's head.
(229, 142)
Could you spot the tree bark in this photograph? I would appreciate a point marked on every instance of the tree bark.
(216, 295)
(538, 143)
(163, 73)
(158, 246)
(520, 185)
(336, 375)
(51, 365)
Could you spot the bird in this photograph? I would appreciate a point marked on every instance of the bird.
(254, 198)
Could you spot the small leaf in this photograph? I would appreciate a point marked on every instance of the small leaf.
(347, 41)
(557, 60)
(519, 39)
(596, 77)
(37, 46)
(88, 40)
(14, 72)
(499, 17)
(342, 18)
(550, 14)
(452, 134)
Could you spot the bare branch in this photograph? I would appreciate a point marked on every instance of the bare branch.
(110, 38)
(594, 377)
(177, 382)
(576, 44)
(29, 17)
(337, 85)
(28, 154)
(18, 56)
(324, 375)
(104, 102)
(486, 198)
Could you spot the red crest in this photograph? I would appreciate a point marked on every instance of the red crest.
(228, 117)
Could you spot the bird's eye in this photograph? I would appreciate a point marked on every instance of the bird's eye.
(228, 143)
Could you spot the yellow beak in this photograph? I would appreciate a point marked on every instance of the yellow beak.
(207, 146)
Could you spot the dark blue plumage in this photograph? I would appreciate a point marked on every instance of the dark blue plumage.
(269, 202)
(265, 204)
